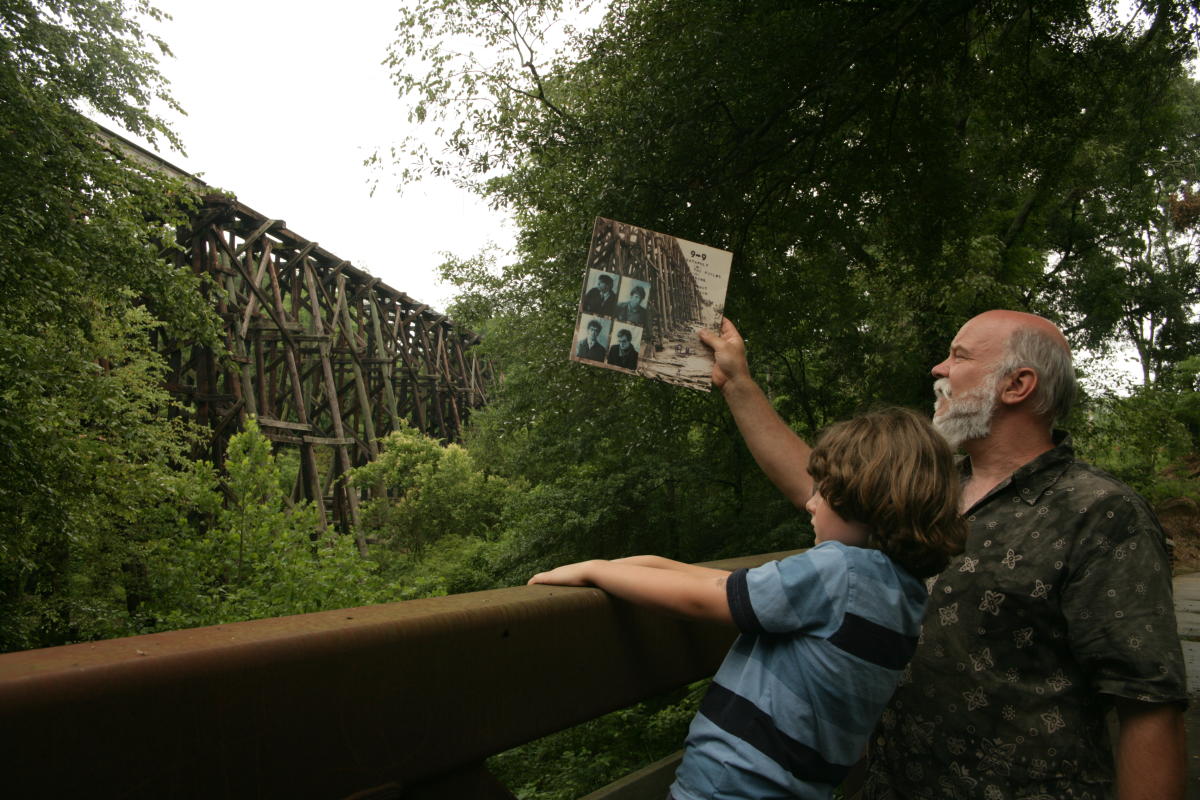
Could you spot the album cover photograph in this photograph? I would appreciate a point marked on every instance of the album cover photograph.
(644, 298)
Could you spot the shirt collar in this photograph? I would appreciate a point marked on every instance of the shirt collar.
(1030, 481)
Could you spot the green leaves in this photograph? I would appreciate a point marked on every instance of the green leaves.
(426, 492)
(256, 557)
(881, 173)
(93, 450)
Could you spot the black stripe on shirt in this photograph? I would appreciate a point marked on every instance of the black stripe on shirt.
(738, 595)
(872, 642)
(739, 717)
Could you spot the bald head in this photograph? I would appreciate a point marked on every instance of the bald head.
(1007, 322)
(1020, 339)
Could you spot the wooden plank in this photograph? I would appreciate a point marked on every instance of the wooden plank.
(327, 440)
(257, 234)
(278, 423)
(342, 458)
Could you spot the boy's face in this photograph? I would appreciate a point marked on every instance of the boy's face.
(829, 527)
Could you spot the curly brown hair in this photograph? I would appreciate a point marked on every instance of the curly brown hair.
(890, 470)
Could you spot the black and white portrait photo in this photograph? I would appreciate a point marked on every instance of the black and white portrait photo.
(624, 351)
(633, 302)
(591, 338)
(601, 297)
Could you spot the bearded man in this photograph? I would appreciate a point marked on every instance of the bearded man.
(1059, 609)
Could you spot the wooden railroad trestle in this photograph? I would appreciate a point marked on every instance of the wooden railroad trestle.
(675, 299)
(326, 357)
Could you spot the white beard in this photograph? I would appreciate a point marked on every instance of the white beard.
(968, 415)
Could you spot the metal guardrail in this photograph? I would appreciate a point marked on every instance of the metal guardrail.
(403, 700)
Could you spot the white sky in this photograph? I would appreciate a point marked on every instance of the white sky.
(284, 101)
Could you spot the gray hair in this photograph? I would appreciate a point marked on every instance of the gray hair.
(1031, 347)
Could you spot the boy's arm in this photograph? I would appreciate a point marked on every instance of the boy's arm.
(658, 562)
(698, 596)
(780, 453)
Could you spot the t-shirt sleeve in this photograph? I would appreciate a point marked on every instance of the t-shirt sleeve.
(803, 592)
(1120, 606)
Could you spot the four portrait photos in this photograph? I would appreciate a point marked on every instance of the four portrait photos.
(614, 314)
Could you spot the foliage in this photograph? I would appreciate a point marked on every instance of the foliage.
(441, 524)
(107, 474)
(434, 517)
(880, 174)
(91, 448)
(577, 761)
(1148, 437)
(1142, 283)
(431, 492)
(258, 558)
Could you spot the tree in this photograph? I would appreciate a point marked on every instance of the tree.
(256, 557)
(881, 172)
(1126, 272)
(430, 492)
(92, 457)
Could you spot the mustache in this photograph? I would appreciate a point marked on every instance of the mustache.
(941, 388)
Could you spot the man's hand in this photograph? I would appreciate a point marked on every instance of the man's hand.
(729, 352)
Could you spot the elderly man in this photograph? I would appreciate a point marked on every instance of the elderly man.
(1059, 609)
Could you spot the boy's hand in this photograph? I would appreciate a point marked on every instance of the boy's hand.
(566, 575)
(729, 352)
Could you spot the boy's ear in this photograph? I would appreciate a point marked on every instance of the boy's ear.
(1018, 386)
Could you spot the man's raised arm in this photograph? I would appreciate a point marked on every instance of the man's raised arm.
(780, 453)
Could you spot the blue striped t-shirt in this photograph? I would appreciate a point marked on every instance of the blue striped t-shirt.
(824, 637)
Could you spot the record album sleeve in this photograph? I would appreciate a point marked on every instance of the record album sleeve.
(644, 298)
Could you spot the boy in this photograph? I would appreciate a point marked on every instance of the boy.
(825, 633)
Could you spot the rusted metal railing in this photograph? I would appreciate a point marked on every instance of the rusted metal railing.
(403, 700)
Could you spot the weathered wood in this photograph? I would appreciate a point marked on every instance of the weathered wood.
(267, 422)
(322, 353)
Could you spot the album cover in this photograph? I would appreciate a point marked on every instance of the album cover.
(645, 296)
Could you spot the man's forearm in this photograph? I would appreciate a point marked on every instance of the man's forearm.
(780, 453)
(1151, 751)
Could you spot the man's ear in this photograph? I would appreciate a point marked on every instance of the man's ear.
(1018, 386)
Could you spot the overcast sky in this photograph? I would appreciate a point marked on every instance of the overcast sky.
(284, 101)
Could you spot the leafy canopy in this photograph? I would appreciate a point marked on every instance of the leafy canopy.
(881, 172)
(85, 424)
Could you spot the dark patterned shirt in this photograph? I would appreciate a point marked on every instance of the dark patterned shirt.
(1063, 593)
